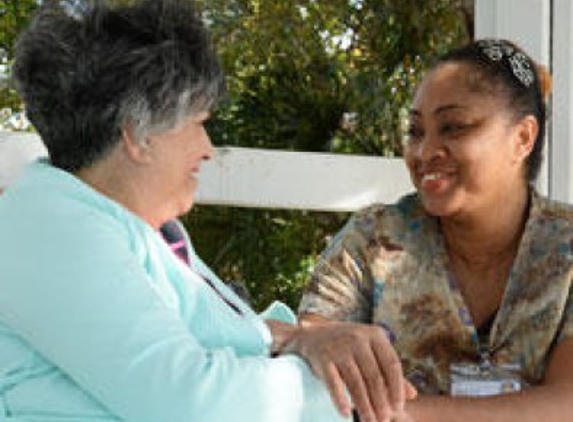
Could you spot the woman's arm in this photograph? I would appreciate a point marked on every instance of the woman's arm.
(88, 307)
(552, 401)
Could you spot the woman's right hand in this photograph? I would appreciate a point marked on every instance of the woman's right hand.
(357, 358)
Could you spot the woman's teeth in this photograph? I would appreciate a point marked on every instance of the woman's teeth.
(433, 176)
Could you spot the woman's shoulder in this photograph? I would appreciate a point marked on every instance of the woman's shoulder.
(50, 205)
(405, 210)
(551, 227)
(556, 211)
(398, 221)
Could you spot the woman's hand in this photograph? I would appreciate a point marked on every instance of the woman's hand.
(353, 357)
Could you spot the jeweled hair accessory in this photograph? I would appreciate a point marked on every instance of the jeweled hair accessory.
(520, 65)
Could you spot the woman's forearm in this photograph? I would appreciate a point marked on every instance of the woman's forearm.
(541, 404)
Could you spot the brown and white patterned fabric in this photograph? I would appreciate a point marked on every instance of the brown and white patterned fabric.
(389, 266)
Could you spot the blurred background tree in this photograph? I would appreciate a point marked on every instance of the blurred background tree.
(312, 75)
(14, 15)
(305, 75)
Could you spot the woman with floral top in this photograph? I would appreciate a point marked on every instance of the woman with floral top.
(470, 277)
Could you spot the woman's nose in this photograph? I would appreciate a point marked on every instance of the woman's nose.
(209, 149)
(429, 148)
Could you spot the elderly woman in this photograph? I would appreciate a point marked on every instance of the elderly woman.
(470, 276)
(99, 320)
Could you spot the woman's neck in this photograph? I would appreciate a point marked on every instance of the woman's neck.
(116, 178)
(489, 236)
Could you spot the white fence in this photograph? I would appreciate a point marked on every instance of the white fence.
(273, 179)
(268, 179)
(295, 180)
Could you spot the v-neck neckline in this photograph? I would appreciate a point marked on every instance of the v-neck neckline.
(496, 338)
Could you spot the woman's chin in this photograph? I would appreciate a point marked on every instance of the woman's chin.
(189, 200)
(186, 207)
(442, 206)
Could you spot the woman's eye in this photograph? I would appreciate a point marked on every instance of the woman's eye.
(414, 133)
(453, 128)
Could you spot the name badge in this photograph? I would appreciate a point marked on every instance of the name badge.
(485, 379)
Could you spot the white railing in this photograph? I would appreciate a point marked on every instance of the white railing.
(269, 179)
(297, 180)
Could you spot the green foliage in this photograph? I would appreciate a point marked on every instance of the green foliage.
(14, 15)
(271, 252)
(325, 75)
(308, 75)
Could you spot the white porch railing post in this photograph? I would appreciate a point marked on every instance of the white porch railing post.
(561, 181)
(528, 23)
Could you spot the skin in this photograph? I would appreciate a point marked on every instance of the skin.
(467, 159)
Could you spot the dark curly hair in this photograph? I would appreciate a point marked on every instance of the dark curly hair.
(87, 69)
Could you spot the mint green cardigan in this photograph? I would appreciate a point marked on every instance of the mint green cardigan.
(99, 321)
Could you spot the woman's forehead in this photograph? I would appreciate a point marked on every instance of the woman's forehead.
(450, 88)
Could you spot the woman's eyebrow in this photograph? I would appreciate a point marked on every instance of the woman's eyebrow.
(441, 109)
(449, 107)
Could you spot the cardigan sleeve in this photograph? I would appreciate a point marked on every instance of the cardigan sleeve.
(88, 307)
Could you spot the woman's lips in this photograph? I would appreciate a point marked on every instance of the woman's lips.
(193, 174)
(435, 181)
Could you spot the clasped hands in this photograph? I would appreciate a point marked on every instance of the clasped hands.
(352, 357)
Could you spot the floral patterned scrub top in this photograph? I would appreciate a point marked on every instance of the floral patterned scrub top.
(389, 266)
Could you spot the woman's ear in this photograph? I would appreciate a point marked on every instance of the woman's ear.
(135, 149)
(525, 136)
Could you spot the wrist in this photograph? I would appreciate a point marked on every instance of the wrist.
(283, 334)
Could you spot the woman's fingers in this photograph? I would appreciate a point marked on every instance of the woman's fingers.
(391, 370)
(409, 390)
(376, 383)
(358, 390)
(337, 390)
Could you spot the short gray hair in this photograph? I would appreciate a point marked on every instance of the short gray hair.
(87, 71)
